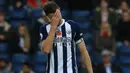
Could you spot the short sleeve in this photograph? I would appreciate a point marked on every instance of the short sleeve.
(43, 33)
(78, 35)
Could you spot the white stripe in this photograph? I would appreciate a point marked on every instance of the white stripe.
(48, 27)
(60, 55)
(69, 53)
(51, 62)
(51, 54)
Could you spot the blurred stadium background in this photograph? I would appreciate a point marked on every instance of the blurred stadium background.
(105, 24)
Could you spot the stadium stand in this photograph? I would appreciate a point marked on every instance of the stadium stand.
(40, 62)
(123, 56)
(85, 20)
(18, 60)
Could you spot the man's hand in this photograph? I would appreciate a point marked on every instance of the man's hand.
(2, 37)
(55, 19)
(50, 38)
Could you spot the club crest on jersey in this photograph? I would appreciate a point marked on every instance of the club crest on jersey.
(58, 33)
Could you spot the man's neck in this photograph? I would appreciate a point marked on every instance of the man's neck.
(107, 64)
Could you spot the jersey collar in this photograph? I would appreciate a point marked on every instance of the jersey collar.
(63, 21)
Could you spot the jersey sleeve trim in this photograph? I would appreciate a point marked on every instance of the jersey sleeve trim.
(79, 41)
(43, 32)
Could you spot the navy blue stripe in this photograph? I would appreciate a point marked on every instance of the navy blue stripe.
(73, 47)
(64, 50)
(55, 58)
(48, 68)
(73, 58)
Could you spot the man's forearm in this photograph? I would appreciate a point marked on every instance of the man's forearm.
(86, 60)
(48, 43)
(85, 57)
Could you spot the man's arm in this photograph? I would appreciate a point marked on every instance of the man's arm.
(47, 44)
(85, 57)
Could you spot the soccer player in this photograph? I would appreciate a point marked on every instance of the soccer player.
(59, 40)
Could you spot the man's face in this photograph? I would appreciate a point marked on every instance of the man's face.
(104, 5)
(26, 69)
(18, 4)
(105, 27)
(52, 14)
(2, 64)
(126, 16)
(124, 6)
(2, 17)
(106, 59)
(21, 30)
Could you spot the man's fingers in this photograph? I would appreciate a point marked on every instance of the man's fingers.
(54, 16)
(56, 13)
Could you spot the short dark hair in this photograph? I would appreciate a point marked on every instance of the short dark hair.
(50, 7)
(27, 64)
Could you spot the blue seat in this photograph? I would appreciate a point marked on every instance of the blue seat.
(80, 15)
(124, 54)
(98, 59)
(5, 56)
(124, 59)
(85, 26)
(18, 60)
(91, 52)
(89, 48)
(40, 68)
(2, 2)
(17, 68)
(126, 69)
(40, 58)
(93, 58)
(40, 62)
(18, 14)
(124, 48)
(37, 13)
(3, 48)
(65, 13)
(16, 23)
(88, 38)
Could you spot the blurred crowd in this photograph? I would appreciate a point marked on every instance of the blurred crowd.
(106, 33)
